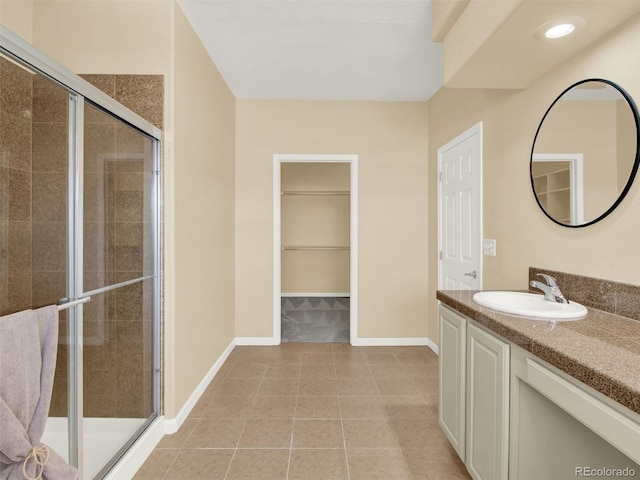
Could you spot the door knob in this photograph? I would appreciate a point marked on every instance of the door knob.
(473, 274)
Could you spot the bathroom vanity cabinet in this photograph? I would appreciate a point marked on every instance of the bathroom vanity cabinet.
(474, 395)
(511, 415)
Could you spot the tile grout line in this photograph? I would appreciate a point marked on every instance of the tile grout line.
(293, 426)
(422, 386)
(293, 423)
(235, 450)
(344, 440)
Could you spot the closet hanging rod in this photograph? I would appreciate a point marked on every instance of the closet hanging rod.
(65, 304)
(315, 192)
(314, 247)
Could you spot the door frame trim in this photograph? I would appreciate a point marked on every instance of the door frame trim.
(474, 130)
(576, 175)
(352, 160)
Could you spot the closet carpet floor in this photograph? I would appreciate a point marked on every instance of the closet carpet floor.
(307, 411)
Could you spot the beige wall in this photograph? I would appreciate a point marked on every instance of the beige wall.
(106, 36)
(153, 37)
(390, 140)
(204, 211)
(588, 128)
(17, 16)
(525, 237)
(626, 147)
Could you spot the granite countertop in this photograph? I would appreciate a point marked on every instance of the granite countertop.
(601, 350)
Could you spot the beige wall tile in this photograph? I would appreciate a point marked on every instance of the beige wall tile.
(134, 393)
(15, 141)
(143, 94)
(19, 195)
(50, 101)
(17, 99)
(49, 246)
(49, 197)
(50, 146)
(106, 83)
(100, 397)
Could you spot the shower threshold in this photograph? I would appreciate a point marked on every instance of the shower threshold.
(103, 438)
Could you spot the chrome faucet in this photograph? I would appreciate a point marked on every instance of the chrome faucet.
(551, 289)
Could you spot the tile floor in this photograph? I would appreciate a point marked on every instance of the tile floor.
(307, 411)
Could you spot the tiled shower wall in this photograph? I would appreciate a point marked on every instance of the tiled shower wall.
(33, 185)
(15, 188)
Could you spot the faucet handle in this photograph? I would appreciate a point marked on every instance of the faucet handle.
(551, 281)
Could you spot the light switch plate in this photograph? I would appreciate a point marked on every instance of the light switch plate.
(489, 247)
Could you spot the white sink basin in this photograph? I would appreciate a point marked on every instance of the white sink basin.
(530, 305)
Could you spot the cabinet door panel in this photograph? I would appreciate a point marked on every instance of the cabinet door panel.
(487, 420)
(451, 396)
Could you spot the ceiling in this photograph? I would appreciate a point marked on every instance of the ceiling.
(378, 50)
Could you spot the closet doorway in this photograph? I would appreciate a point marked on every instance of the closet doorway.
(315, 248)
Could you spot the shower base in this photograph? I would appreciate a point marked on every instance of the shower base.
(103, 437)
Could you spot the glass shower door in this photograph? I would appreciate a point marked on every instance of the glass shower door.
(34, 129)
(79, 216)
(118, 258)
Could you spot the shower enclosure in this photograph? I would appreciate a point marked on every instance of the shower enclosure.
(79, 223)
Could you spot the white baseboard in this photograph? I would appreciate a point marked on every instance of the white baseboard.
(432, 345)
(392, 342)
(172, 425)
(256, 341)
(131, 462)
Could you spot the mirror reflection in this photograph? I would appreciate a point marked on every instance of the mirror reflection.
(585, 153)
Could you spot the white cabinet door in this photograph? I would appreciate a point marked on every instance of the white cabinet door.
(487, 419)
(451, 378)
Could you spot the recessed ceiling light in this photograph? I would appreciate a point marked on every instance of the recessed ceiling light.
(560, 27)
(561, 30)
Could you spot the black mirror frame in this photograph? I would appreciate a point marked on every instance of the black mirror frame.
(634, 169)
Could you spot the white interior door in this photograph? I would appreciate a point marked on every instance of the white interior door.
(460, 211)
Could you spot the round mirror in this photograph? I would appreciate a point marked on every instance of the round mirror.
(585, 154)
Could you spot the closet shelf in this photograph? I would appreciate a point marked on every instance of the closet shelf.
(314, 192)
(559, 190)
(314, 247)
(554, 172)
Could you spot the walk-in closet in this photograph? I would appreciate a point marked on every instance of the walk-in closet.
(315, 252)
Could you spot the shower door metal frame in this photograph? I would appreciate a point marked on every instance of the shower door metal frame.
(24, 54)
